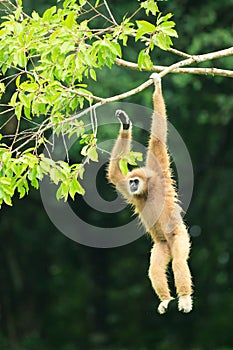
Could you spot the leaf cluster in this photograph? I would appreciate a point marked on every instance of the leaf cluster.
(18, 174)
(46, 63)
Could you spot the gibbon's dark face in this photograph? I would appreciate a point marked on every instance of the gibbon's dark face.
(135, 185)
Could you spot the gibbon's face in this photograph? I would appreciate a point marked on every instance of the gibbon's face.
(136, 185)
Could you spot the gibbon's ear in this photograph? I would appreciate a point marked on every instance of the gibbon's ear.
(124, 119)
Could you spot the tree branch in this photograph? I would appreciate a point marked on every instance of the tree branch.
(165, 71)
(186, 62)
(198, 59)
(200, 71)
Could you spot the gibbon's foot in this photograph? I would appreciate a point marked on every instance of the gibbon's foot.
(185, 303)
(163, 306)
(156, 78)
(124, 119)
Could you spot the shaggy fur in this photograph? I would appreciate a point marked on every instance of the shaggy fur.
(156, 204)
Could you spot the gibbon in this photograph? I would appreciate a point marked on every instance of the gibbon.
(151, 190)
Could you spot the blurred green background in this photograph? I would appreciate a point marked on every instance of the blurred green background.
(57, 294)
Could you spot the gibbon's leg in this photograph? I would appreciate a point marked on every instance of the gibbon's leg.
(160, 257)
(157, 150)
(180, 247)
(121, 147)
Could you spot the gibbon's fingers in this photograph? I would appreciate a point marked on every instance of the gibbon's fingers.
(124, 119)
(156, 79)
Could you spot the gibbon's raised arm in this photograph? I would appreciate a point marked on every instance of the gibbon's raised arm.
(121, 147)
(157, 150)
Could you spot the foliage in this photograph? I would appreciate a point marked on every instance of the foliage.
(46, 63)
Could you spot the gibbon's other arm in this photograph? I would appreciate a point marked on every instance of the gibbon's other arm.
(122, 146)
(157, 150)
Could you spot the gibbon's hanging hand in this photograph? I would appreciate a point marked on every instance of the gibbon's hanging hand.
(124, 119)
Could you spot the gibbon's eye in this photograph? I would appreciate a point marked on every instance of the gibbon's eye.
(134, 181)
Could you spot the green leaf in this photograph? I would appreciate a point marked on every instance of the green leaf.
(13, 99)
(123, 166)
(70, 20)
(20, 58)
(82, 2)
(49, 13)
(27, 112)
(150, 6)
(29, 86)
(2, 88)
(22, 187)
(92, 154)
(6, 156)
(144, 60)
(163, 18)
(35, 15)
(84, 150)
(144, 27)
(166, 28)
(25, 100)
(93, 74)
(170, 32)
(133, 156)
(18, 111)
(18, 12)
(7, 199)
(55, 175)
(63, 191)
(21, 191)
(115, 48)
(162, 40)
(17, 81)
(75, 187)
(45, 166)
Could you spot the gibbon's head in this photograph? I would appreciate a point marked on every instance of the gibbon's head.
(137, 182)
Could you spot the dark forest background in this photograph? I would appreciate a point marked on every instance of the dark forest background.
(58, 294)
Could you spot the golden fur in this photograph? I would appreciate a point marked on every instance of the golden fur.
(157, 206)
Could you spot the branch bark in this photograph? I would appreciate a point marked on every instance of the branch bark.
(200, 71)
(198, 59)
(165, 71)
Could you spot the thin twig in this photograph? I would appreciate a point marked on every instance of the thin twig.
(65, 146)
(8, 120)
(16, 134)
(100, 13)
(179, 53)
(6, 111)
(110, 13)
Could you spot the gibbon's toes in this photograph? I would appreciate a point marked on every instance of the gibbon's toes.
(122, 116)
(156, 78)
(185, 303)
(163, 306)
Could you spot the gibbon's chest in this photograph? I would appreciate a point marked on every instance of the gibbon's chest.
(149, 212)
